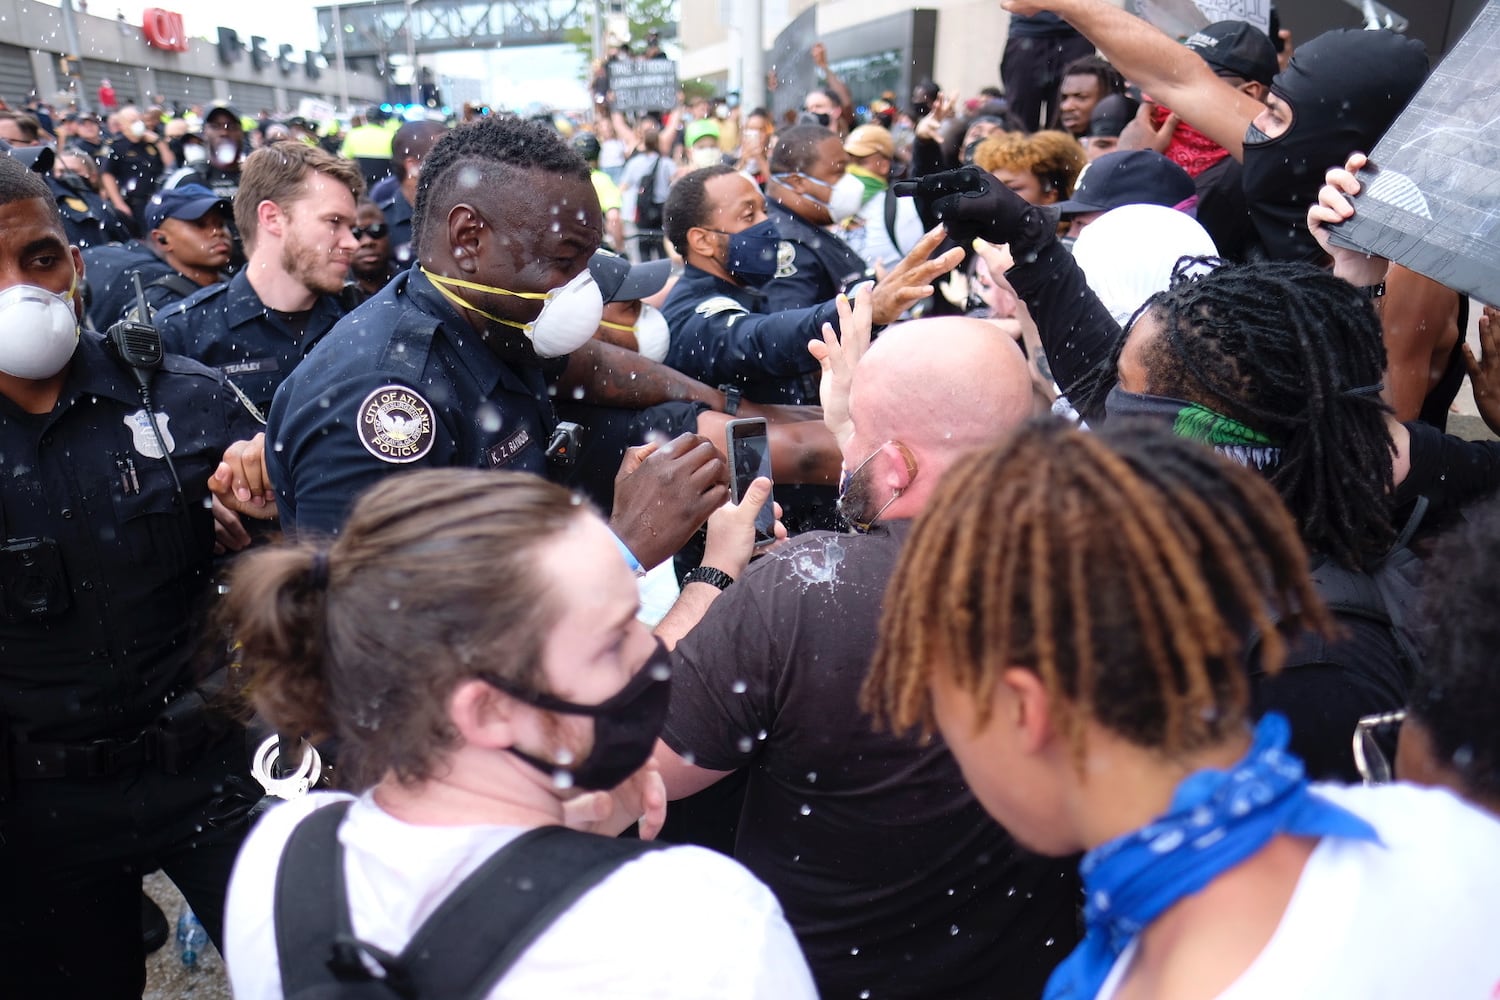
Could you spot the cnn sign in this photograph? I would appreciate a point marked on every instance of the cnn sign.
(163, 29)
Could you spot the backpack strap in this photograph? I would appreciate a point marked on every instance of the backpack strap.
(489, 921)
(890, 219)
(311, 904)
(468, 944)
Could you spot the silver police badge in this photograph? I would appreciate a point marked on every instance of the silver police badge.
(144, 438)
(395, 424)
(786, 259)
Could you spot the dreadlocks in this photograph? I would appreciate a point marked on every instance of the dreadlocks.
(1125, 568)
(1295, 354)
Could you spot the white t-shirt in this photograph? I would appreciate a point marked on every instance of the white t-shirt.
(1413, 919)
(682, 922)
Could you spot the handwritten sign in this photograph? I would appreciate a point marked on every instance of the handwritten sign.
(644, 84)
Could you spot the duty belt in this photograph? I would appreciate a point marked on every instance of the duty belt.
(172, 742)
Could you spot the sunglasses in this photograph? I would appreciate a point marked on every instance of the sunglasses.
(375, 232)
(1375, 746)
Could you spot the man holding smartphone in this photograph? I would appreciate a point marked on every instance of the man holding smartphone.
(871, 841)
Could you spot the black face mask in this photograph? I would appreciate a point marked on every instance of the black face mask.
(626, 726)
(1344, 88)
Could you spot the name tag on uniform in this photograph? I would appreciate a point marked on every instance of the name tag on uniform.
(251, 367)
(502, 453)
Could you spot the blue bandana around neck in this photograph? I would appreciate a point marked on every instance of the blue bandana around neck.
(1217, 819)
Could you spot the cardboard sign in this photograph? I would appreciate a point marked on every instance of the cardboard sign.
(791, 60)
(1430, 200)
(643, 85)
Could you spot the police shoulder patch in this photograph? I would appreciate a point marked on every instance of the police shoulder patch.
(786, 259)
(395, 424)
(710, 308)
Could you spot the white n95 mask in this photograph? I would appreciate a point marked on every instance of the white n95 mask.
(569, 315)
(38, 331)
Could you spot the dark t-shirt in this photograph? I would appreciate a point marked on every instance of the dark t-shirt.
(895, 880)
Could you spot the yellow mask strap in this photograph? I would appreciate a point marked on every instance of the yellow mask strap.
(623, 328)
(440, 282)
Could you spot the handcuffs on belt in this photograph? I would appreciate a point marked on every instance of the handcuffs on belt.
(294, 785)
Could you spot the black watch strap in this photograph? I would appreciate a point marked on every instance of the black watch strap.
(1373, 291)
(731, 398)
(709, 575)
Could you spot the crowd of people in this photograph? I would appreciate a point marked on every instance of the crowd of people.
(1122, 630)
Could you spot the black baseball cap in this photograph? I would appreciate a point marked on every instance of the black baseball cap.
(619, 281)
(1111, 115)
(1129, 177)
(1236, 48)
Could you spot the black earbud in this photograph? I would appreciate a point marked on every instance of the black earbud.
(162, 240)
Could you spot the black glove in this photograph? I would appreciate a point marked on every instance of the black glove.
(970, 202)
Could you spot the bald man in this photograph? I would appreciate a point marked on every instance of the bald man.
(892, 876)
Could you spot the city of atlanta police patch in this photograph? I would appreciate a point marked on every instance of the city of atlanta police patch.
(395, 424)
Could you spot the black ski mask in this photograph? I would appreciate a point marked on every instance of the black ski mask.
(1345, 88)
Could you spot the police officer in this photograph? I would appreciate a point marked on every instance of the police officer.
(110, 764)
(724, 331)
(449, 364)
(137, 160)
(295, 211)
(224, 144)
(808, 190)
(189, 247)
(87, 218)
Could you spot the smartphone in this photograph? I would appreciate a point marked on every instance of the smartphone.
(749, 458)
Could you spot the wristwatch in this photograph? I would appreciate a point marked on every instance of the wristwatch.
(1372, 292)
(731, 398)
(709, 575)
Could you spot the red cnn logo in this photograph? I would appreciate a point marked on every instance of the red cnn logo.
(164, 30)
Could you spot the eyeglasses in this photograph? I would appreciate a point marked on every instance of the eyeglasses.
(375, 232)
(1375, 746)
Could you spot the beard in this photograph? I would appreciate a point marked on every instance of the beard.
(856, 505)
(310, 266)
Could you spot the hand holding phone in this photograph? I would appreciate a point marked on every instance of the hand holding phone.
(749, 450)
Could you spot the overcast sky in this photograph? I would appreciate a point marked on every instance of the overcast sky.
(514, 77)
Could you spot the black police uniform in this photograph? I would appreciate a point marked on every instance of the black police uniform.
(137, 167)
(109, 271)
(112, 767)
(397, 211)
(88, 219)
(402, 382)
(812, 266)
(227, 326)
(725, 334)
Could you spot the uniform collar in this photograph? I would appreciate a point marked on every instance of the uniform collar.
(93, 373)
(694, 276)
(483, 365)
(242, 305)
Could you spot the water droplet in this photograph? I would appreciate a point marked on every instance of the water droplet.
(738, 687)
(806, 809)
(812, 776)
(746, 744)
(953, 930)
(562, 779)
